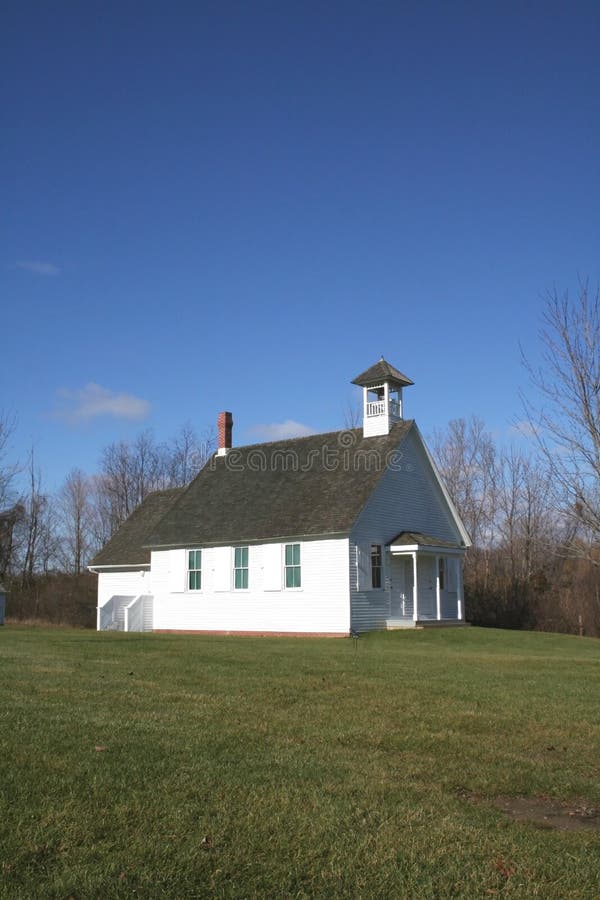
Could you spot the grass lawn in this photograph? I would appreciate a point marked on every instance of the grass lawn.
(172, 766)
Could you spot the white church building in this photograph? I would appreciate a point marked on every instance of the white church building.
(345, 531)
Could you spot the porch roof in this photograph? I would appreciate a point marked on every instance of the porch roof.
(408, 541)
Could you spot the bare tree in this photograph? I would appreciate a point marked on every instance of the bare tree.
(186, 454)
(8, 470)
(527, 526)
(36, 527)
(10, 520)
(353, 415)
(565, 415)
(466, 455)
(75, 519)
(130, 471)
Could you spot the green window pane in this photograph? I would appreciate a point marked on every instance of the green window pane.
(241, 557)
(292, 554)
(292, 577)
(195, 581)
(241, 579)
(195, 559)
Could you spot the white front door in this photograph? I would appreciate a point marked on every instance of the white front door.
(426, 586)
(401, 587)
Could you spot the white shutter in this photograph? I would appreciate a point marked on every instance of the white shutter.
(222, 568)
(272, 566)
(177, 571)
(363, 569)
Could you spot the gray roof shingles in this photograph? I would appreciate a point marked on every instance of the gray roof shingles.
(303, 487)
(128, 545)
(310, 486)
(381, 371)
(410, 538)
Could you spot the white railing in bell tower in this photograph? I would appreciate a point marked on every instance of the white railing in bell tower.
(377, 408)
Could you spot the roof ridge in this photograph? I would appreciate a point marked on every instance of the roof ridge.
(315, 434)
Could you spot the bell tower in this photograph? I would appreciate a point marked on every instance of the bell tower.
(382, 397)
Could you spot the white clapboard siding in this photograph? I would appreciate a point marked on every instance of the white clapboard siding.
(148, 620)
(406, 498)
(119, 582)
(321, 605)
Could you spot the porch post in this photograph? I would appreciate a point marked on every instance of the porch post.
(459, 589)
(438, 599)
(415, 589)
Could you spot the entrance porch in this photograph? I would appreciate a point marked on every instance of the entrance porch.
(425, 582)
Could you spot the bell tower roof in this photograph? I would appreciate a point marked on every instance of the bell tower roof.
(380, 372)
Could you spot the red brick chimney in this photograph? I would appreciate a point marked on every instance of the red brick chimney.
(225, 426)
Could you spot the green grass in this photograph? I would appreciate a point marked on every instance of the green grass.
(241, 767)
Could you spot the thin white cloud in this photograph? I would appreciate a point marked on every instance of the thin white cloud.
(523, 429)
(39, 267)
(92, 401)
(279, 431)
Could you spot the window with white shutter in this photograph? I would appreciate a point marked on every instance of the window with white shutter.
(272, 567)
(177, 571)
(222, 568)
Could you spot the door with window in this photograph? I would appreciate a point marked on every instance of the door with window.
(401, 587)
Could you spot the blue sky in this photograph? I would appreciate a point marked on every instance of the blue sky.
(241, 206)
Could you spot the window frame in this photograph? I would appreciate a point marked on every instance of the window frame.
(293, 567)
(195, 570)
(376, 567)
(241, 568)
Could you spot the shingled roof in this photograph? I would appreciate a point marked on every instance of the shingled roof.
(310, 486)
(128, 545)
(381, 371)
(412, 538)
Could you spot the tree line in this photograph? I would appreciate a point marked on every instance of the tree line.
(532, 509)
(48, 539)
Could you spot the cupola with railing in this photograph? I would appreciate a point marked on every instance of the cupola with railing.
(382, 386)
